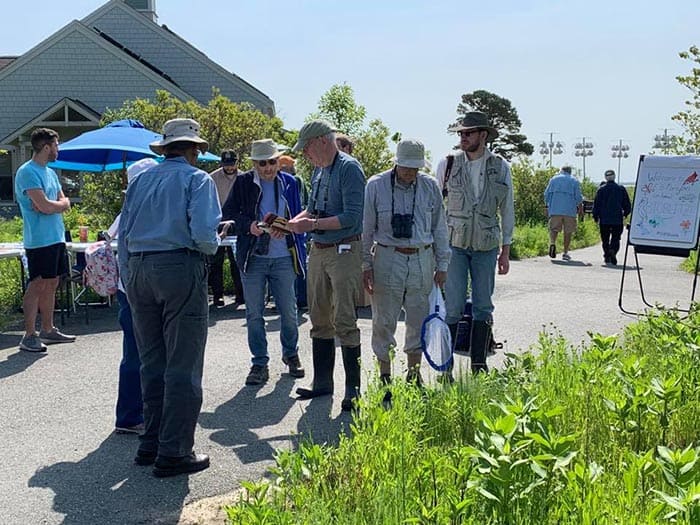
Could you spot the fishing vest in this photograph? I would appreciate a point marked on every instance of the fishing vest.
(471, 222)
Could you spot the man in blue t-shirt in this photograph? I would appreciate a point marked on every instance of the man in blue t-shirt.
(41, 201)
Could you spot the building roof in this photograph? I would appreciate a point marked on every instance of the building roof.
(112, 55)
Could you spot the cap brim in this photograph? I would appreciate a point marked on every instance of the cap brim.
(410, 163)
(299, 145)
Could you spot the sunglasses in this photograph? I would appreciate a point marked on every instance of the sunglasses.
(263, 163)
(468, 132)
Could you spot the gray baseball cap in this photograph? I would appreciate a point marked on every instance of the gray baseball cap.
(311, 130)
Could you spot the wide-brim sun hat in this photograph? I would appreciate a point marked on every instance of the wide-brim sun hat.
(410, 153)
(475, 120)
(264, 149)
(180, 130)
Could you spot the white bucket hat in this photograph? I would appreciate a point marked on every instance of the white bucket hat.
(264, 149)
(410, 153)
(180, 129)
(138, 167)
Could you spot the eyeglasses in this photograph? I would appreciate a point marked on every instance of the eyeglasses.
(263, 163)
(468, 132)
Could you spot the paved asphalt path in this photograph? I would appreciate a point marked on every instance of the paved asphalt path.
(62, 463)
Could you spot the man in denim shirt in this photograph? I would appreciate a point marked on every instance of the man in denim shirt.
(167, 227)
(334, 218)
(564, 201)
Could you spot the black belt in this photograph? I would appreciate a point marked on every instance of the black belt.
(406, 251)
(163, 252)
(322, 245)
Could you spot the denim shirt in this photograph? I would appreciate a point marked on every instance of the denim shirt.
(170, 206)
(338, 190)
(563, 195)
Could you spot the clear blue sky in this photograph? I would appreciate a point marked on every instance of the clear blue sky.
(600, 69)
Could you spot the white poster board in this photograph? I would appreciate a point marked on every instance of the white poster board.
(666, 210)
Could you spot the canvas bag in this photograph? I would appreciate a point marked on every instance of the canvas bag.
(101, 272)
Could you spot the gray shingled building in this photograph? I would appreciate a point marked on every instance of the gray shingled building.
(117, 53)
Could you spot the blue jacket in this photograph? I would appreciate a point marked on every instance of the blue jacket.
(611, 204)
(243, 206)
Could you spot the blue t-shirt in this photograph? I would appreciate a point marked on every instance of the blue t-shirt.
(40, 229)
(278, 247)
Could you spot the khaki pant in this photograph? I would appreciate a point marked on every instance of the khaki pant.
(333, 286)
(400, 281)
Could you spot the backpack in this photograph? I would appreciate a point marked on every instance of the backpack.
(101, 272)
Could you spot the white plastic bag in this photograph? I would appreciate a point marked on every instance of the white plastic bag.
(435, 334)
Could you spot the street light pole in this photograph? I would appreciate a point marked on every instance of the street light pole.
(664, 142)
(619, 152)
(583, 149)
(551, 148)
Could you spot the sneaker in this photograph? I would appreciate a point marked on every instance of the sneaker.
(257, 375)
(565, 256)
(54, 337)
(552, 251)
(136, 429)
(294, 364)
(32, 343)
(219, 302)
(613, 260)
(413, 377)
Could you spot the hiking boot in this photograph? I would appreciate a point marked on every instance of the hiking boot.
(385, 380)
(258, 375)
(32, 343)
(552, 251)
(294, 364)
(613, 260)
(413, 377)
(55, 337)
(565, 256)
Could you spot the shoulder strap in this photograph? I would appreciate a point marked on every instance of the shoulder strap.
(448, 169)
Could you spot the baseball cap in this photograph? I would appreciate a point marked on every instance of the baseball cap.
(228, 157)
(311, 130)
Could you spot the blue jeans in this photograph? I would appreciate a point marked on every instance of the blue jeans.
(279, 273)
(479, 269)
(129, 402)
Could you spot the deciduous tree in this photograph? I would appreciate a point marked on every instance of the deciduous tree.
(690, 117)
(503, 117)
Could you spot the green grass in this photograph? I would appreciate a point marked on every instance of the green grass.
(532, 240)
(603, 434)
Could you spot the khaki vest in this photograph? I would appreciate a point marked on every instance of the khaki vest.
(471, 223)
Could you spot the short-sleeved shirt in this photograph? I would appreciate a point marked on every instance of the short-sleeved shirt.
(40, 229)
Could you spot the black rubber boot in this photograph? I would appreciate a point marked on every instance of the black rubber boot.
(351, 362)
(323, 353)
(453, 334)
(481, 337)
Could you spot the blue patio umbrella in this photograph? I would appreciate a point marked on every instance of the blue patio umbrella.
(112, 147)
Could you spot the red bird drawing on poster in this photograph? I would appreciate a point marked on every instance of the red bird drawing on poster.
(692, 179)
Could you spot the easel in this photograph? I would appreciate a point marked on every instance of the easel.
(653, 250)
(665, 216)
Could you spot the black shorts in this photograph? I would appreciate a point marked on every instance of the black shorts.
(47, 262)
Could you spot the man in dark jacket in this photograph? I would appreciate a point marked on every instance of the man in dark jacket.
(610, 207)
(267, 256)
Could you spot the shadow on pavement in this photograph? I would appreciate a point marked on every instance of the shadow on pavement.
(106, 487)
(19, 361)
(317, 425)
(236, 420)
(570, 263)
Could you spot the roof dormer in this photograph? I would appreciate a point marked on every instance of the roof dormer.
(146, 7)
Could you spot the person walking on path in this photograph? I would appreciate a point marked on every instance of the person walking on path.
(272, 258)
(564, 203)
(404, 251)
(334, 218)
(42, 203)
(224, 177)
(167, 228)
(480, 221)
(610, 207)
